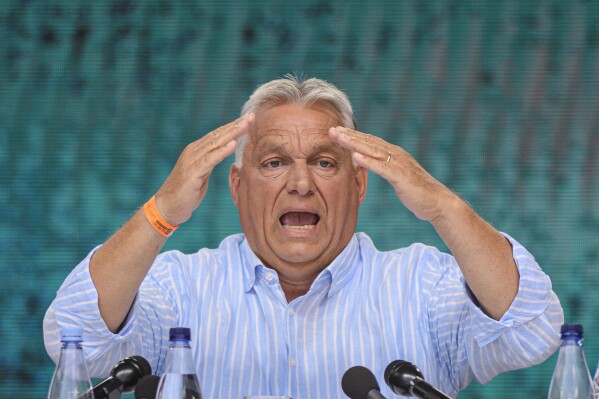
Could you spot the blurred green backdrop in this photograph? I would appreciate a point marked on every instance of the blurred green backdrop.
(497, 99)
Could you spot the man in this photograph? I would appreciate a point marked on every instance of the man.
(298, 298)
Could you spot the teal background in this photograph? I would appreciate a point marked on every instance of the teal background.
(497, 99)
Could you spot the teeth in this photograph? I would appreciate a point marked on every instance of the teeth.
(304, 227)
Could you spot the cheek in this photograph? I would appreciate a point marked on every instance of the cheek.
(260, 199)
(338, 192)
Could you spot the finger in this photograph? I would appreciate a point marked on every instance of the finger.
(204, 154)
(363, 143)
(203, 166)
(219, 154)
(223, 135)
(362, 137)
(381, 168)
(233, 130)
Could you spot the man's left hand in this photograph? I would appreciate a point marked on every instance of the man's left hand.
(415, 187)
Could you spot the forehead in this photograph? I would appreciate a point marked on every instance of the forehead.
(281, 123)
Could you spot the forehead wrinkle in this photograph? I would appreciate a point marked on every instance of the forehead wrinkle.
(307, 146)
(331, 147)
(283, 136)
(266, 143)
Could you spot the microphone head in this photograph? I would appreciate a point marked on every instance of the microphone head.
(358, 381)
(130, 370)
(399, 374)
(146, 387)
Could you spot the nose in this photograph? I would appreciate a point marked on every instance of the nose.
(300, 179)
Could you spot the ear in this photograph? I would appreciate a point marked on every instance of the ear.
(234, 180)
(361, 182)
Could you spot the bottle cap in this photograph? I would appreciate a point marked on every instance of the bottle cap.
(571, 329)
(179, 333)
(71, 334)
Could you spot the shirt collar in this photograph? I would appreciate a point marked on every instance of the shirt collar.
(336, 275)
(250, 264)
(343, 267)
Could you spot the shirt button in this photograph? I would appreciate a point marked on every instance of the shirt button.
(291, 311)
(269, 276)
(292, 362)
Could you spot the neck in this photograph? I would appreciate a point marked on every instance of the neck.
(294, 289)
(296, 279)
(296, 282)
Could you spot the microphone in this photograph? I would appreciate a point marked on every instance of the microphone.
(404, 378)
(359, 383)
(123, 377)
(146, 387)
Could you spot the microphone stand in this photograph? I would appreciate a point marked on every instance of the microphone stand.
(116, 394)
(423, 390)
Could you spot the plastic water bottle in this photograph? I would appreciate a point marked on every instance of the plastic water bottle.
(596, 383)
(71, 378)
(571, 378)
(179, 380)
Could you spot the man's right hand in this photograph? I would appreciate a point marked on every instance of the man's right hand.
(186, 185)
(120, 265)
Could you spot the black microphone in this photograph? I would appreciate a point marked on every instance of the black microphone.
(123, 377)
(146, 387)
(404, 378)
(359, 383)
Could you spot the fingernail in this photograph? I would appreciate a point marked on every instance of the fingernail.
(342, 129)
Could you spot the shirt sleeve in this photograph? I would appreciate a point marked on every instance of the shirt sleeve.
(144, 332)
(479, 347)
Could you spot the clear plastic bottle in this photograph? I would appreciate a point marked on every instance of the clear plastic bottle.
(179, 380)
(71, 377)
(596, 383)
(571, 378)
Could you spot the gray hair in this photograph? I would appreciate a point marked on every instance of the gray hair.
(294, 90)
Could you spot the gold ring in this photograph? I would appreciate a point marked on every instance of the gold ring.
(388, 158)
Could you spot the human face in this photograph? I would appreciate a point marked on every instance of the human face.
(297, 191)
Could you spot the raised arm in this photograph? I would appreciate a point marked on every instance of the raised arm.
(120, 265)
(483, 254)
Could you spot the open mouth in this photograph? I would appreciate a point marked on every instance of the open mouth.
(299, 220)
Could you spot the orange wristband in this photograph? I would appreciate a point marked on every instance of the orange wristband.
(156, 220)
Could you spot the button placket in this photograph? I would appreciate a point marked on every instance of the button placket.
(292, 327)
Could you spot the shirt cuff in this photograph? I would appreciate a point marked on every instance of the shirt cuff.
(532, 299)
(77, 304)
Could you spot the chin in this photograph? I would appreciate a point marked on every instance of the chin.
(299, 256)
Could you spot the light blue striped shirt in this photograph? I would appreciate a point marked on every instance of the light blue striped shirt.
(367, 308)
